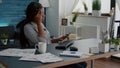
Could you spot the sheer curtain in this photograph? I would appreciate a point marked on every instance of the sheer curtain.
(117, 17)
(69, 5)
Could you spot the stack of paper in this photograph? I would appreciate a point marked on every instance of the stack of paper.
(71, 53)
(48, 58)
(16, 52)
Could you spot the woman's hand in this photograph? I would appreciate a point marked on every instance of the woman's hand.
(60, 39)
(63, 38)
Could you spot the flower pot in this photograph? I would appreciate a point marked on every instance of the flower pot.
(104, 47)
(86, 13)
(117, 47)
(4, 41)
(96, 13)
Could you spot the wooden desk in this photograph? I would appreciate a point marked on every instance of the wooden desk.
(14, 62)
(78, 60)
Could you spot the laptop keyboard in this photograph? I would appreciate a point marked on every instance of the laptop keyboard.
(65, 44)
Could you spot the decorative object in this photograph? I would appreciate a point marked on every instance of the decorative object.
(45, 3)
(75, 15)
(93, 50)
(96, 6)
(4, 38)
(104, 47)
(64, 21)
(85, 8)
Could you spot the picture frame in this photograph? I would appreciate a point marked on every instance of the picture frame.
(64, 21)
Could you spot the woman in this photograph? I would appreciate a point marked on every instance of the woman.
(32, 29)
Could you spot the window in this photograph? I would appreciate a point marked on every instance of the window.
(105, 6)
(117, 18)
(117, 11)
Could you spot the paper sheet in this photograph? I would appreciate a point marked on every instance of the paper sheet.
(29, 57)
(16, 52)
(48, 58)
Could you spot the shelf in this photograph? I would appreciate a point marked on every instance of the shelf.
(83, 15)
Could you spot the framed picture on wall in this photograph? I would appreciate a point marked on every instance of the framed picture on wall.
(64, 21)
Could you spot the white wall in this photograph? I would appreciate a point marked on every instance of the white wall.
(52, 17)
(56, 12)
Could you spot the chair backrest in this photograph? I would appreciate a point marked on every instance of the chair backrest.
(83, 31)
(8, 30)
(3, 65)
(89, 31)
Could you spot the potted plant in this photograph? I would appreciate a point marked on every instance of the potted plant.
(96, 6)
(4, 38)
(85, 8)
(75, 15)
(104, 45)
(116, 43)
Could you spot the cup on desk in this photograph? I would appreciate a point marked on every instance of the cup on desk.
(41, 47)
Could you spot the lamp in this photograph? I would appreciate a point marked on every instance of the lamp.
(45, 3)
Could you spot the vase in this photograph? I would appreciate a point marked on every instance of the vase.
(4, 41)
(104, 47)
(117, 47)
(96, 13)
(86, 13)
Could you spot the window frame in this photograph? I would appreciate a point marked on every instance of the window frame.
(112, 5)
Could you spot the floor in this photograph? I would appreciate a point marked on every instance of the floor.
(105, 63)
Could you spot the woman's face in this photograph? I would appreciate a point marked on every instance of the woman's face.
(40, 16)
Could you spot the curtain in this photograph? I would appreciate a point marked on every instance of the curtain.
(69, 6)
(117, 10)
(118, 3)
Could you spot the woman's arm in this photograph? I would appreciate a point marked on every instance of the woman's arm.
(59, 39)
(41, 32)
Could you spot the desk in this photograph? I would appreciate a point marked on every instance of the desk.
(13, 62)
(78, 60)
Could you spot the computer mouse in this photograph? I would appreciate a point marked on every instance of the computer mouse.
(73, 48)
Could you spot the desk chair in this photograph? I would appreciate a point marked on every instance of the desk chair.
(8, 30)
(3, 65)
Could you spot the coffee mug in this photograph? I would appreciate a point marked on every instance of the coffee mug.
(41, 47)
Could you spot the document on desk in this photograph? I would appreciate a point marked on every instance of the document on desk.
(48, 58)
(29, 57)
(16, 52)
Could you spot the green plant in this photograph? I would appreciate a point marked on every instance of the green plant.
(75, 16)
(85, 6)
(116, 41)
(4, 36)
(96, 5)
